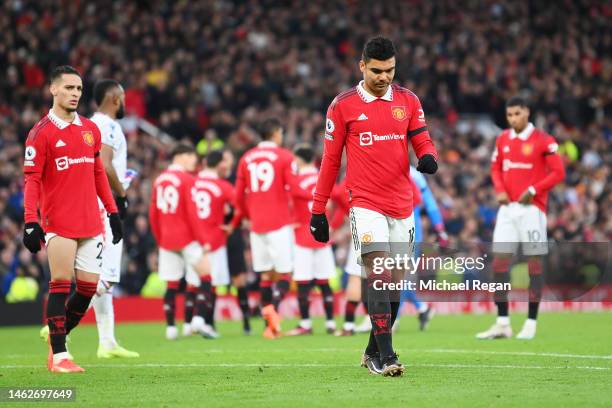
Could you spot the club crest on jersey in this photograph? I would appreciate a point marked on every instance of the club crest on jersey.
(88, 137)
(527, 149)
(366, 238)
(398, 113)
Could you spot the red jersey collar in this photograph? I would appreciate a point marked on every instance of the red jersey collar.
(525, 133)
(368, 97)
(62, 124)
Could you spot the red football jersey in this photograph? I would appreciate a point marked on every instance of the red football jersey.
(266, 176)
(307, 180)
(64, 176)
(172, 210)
(211, 194)
(375, 131)
(339, 197)
(526, 159)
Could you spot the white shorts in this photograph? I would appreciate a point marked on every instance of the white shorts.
(352, 267)
(273, 250)
(173, 264)
(517, 223)
(111, 256)
(88, 255)
(372, 231)
(313, 263)
(220, 269)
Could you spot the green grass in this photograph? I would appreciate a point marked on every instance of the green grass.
(568, 364)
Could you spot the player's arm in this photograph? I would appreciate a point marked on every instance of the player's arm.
(496, 175)
(239, 192)
(33, 167)
(421, 141)
(556, 170)
(106, 154)
(154, 215)
(431, 207)
(335, 137)
(103, 190)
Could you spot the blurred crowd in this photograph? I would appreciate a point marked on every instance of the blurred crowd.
(211, 70)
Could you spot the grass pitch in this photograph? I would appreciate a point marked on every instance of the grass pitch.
(568, 364)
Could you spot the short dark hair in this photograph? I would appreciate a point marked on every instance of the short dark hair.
(61, 70)
(268, 127)
(517, 101)
(305, 152)
(214, 158)
(102, 87)
(378, 48)
(182, 148)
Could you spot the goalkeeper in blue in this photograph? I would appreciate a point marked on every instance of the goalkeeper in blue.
(423, 198)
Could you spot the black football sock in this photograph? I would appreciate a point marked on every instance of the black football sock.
(210, 311)
(56, 314)
(170, 301)
(266, 292)
(243, 302)
(190, 296)
(78, 303)
(501, 274)
(349, 311)
(380, 313)
(303, 288)
(204, 298)
(328, 298)
(282, 288)
(536, 282)
(394, 311)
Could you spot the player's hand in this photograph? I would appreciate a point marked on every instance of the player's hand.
(319, 227)
(526, 197)
(227, 228)
(502, 198)
(32, 235)
(122, 206)
(442, 239)
(427, 164)
(116, 227)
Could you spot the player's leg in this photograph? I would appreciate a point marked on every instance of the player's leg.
(352, 293)
(263, 264)
(237, 268)
(353, 298)
(200, 262)
(102, 302)
(370, 233)
(534, 242)
(303, 277)
(282, 243)
(171, 269)
(190, 295)
(220, 277)
(324, 269)
(61, 253)
(505, 244)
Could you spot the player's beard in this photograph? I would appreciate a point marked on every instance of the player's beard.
(120, 112)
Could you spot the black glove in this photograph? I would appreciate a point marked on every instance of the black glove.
(122, 206)
(319, 228)
(32, 235)
(427, 164)
(116, 227)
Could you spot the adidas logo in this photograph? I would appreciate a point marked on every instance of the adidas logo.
(60, 143)
(362, 117)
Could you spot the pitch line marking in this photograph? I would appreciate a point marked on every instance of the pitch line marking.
(312, 365)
